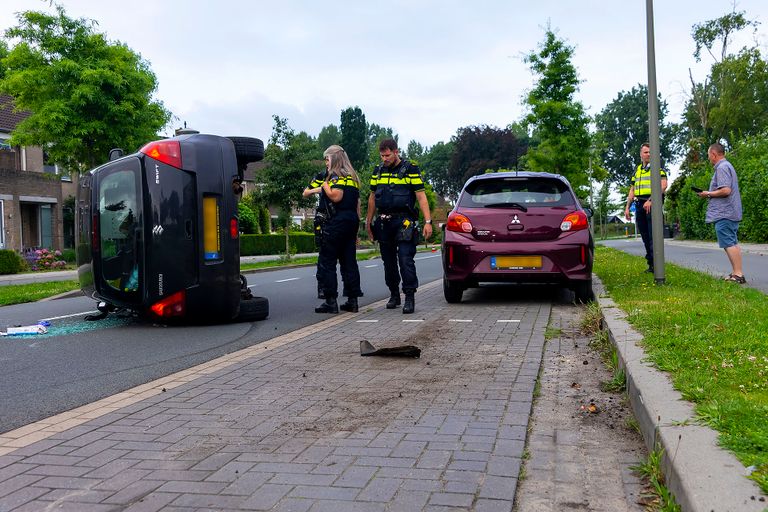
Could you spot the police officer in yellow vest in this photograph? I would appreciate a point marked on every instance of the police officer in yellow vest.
(640, 194)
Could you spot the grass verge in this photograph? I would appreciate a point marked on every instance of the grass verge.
(660, 498)
(710, 336)
(20, 293)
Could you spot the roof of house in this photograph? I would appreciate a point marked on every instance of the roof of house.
(9, 116)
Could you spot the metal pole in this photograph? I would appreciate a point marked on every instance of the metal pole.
(657, 212)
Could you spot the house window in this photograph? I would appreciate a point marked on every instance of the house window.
(46, 226)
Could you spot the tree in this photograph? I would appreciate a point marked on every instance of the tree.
(415, 151)
(706, 34)
(86, 95)
(293, 160)
(434, 166)
(354, 136)
(329, 136)
(622, 127)
(477, 149)
(557, 121)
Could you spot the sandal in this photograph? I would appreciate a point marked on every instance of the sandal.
(736, 279)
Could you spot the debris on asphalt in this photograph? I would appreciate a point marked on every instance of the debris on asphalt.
(366, 349)
(22, 330)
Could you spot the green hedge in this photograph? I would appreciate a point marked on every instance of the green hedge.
(10, 262)
(750, 159)
(257, 245)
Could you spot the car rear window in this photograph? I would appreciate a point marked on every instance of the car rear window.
(524, 191)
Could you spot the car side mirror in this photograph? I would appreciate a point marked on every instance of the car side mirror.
(589, 212)
(115, 153)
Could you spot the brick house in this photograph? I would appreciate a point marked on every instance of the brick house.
(32, 193)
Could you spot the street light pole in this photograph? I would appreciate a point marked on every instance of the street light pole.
(657, 212)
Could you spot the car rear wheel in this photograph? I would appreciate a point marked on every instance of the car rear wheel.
(583, 291)
(452, 291)
(253, 309)
(248, 149)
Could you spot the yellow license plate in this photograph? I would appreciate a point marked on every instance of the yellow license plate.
(515, 262)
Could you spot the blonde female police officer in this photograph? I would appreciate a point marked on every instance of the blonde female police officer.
(340, 191)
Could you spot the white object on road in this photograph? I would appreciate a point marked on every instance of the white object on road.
(25, 329)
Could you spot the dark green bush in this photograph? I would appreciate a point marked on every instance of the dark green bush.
(68, 255)
(257, 245)
(249, 223)
(10, 262)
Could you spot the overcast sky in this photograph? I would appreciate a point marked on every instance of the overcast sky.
(423, 68)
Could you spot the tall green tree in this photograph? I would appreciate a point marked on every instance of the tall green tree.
(354, 136)
(329, 136)
(435, 164)
(622, 127)
(293, 159)
(557, 121)
(415, 151)
(86, 94)
(477, 149)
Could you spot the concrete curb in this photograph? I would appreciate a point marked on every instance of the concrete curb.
(702, 476)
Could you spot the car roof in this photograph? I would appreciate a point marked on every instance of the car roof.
(516, 174)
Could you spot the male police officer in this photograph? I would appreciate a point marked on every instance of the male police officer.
(640, 193)
(396, 187)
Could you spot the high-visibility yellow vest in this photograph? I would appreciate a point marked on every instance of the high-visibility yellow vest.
(642, 181)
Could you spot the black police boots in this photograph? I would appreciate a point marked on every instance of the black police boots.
(410, 303)
(350, 305)
(394, 300)
(329, 306)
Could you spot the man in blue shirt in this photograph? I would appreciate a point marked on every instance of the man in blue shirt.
(724, 209)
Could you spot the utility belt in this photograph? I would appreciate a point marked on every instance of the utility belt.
(322, 217)
(407, 228)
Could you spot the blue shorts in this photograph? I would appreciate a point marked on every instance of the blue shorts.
(726, 233)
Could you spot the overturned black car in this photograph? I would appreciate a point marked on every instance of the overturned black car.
(159, 232)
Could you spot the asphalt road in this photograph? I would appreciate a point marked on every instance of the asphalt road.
(702, 257)
(79, 362)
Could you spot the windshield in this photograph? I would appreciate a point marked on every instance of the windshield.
(119, 228)
(516, 193)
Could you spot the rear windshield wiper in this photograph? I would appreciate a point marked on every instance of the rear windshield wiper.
(516, 206)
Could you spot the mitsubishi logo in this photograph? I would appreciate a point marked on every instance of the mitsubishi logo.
(515, 220)
(157, 230)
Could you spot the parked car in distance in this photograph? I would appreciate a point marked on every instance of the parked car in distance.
(517, 227)
(159, 232)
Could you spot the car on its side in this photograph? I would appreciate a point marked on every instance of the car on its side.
(159, 231)
(517, 227)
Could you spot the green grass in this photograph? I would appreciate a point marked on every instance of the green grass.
(710, 336)
(20, 293)
(650, 471)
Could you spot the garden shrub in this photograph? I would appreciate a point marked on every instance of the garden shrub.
(10, 262)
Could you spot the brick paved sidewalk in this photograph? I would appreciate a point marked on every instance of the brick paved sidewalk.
(311, 425)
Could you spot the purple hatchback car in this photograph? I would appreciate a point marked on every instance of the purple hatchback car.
(517, 227)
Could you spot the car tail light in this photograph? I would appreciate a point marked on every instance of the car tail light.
(173, 305)
(574, 221)
(583, 254)
(166, 151)
(233, 230)
(458, 222)
(450, 255)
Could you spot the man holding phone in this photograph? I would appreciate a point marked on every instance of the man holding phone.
(724, 208)
(640, 194)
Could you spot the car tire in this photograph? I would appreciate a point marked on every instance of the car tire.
(248, 149)
(253, 309)
(452, 291)
(583, 291)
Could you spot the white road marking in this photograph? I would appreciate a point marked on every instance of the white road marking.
(459, 320)
(508, 321)
(420, 320)
(427, 257)
(67, 316)
(366, 321)
(286, 280)
(371, 266)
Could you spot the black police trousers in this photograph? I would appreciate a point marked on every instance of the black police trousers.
(396, 253)
(339, 246)
(644, 228)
